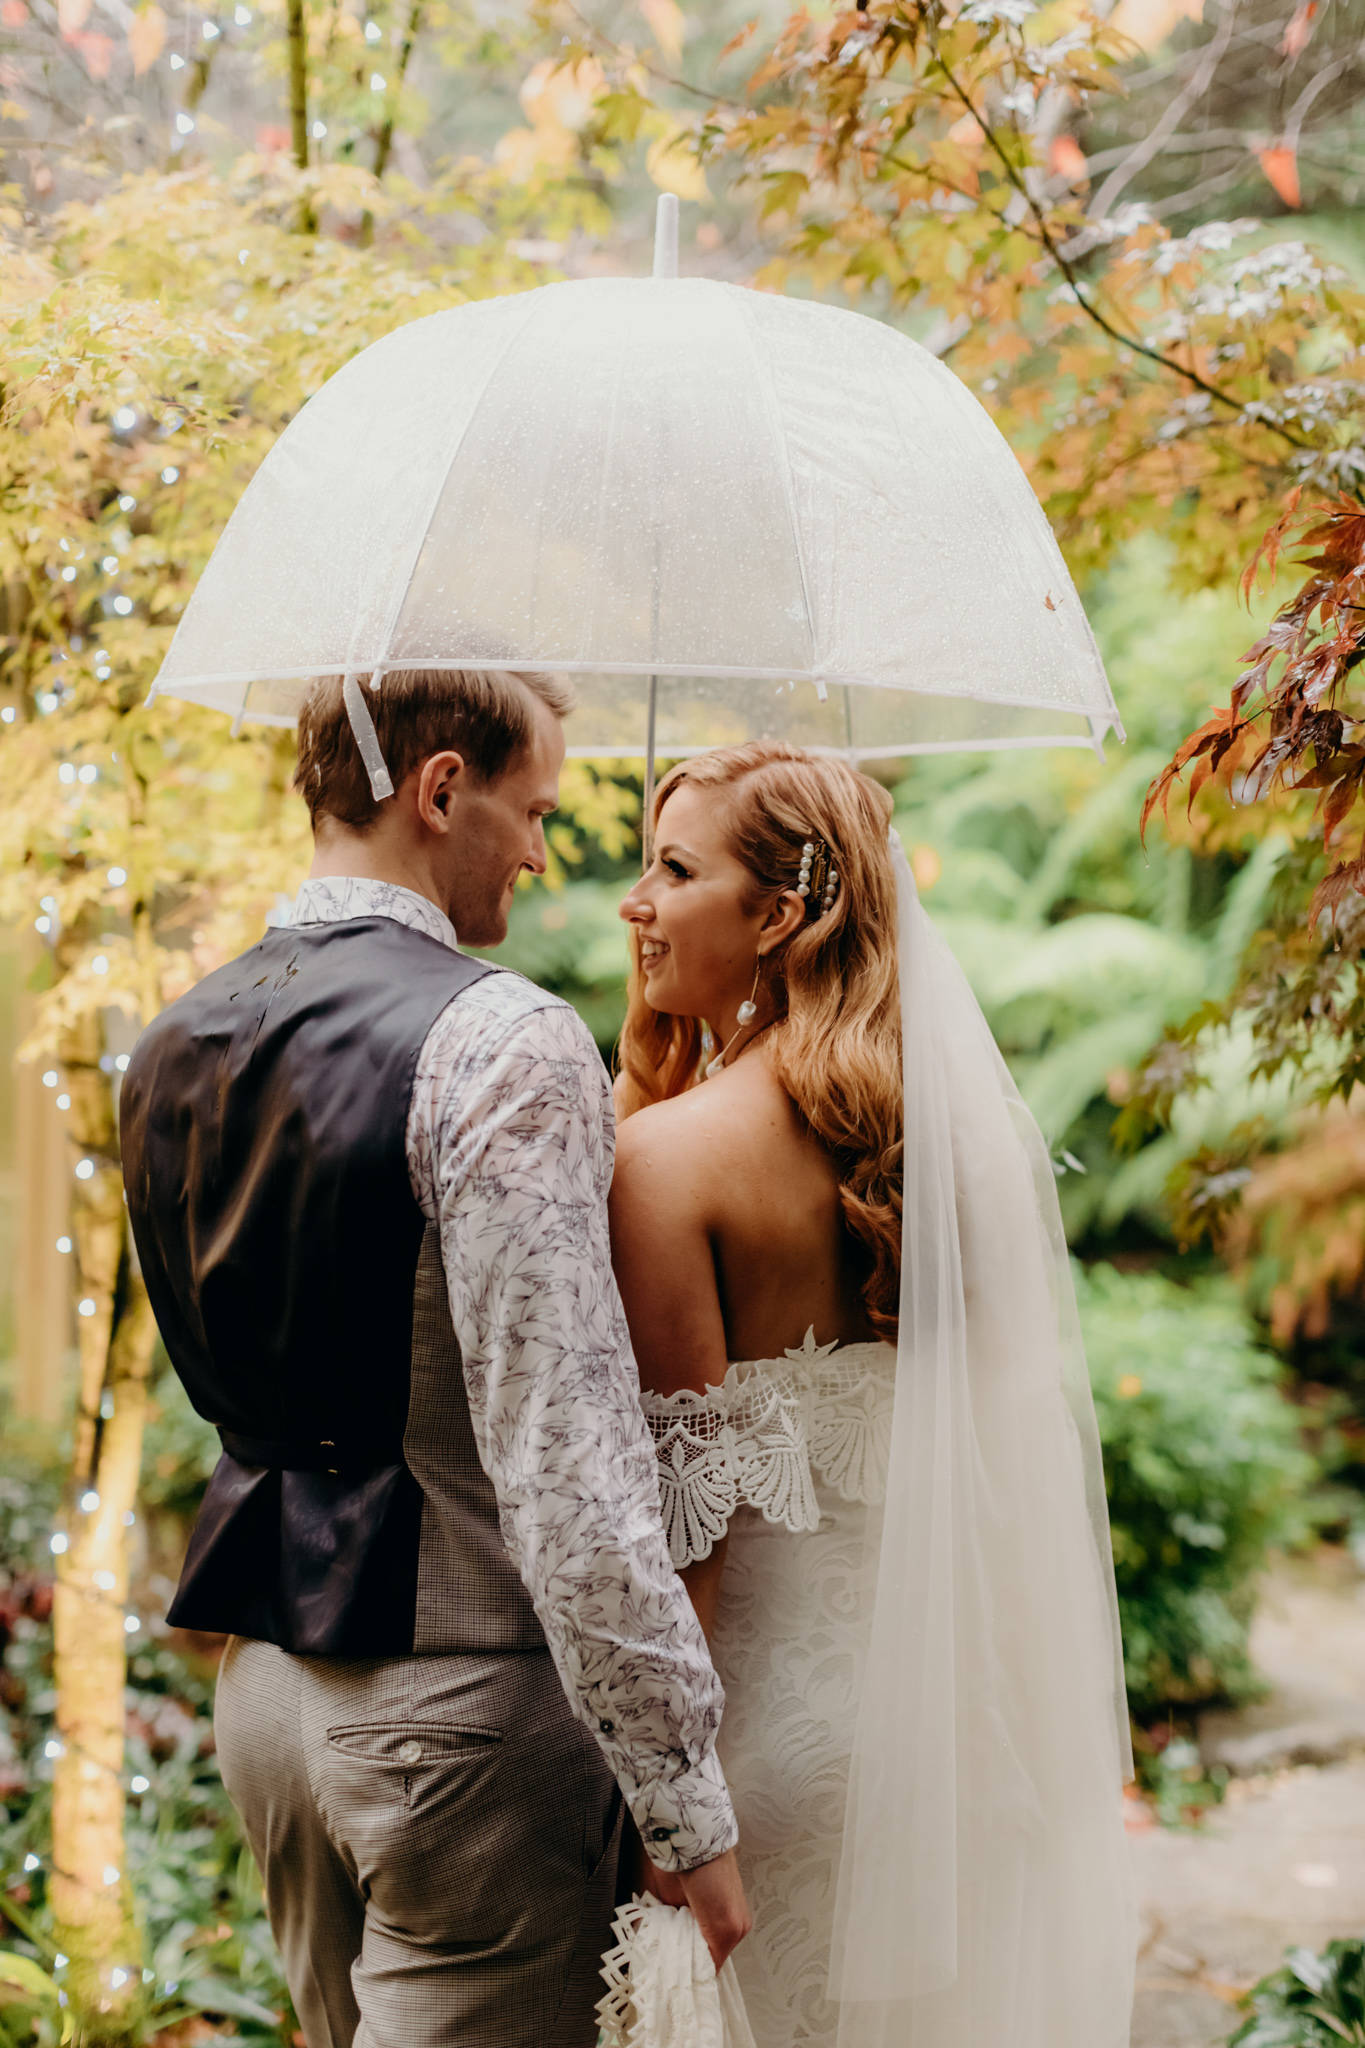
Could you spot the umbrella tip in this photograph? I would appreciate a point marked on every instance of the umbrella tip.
(666, 235)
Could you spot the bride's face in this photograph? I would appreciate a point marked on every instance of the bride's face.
(698, 944)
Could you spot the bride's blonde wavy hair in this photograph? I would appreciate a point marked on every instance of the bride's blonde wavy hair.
(837, 1049)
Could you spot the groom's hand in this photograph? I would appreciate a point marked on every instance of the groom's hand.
(715, 1894)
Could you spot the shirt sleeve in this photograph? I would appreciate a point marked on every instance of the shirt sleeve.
(510, 1142)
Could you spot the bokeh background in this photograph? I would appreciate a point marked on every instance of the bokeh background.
(1134, 229)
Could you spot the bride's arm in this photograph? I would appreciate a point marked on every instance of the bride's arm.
(662, 1209)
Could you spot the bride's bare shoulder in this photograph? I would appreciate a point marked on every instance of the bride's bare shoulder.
(706, 1132)
(675, 1130)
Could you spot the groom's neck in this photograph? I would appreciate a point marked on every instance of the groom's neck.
(380, 855)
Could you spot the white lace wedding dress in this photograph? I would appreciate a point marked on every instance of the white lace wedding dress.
(788, 1454)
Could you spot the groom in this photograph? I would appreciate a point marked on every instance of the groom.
(367, 1179)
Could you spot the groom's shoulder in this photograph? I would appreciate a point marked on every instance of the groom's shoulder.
(506, 1010)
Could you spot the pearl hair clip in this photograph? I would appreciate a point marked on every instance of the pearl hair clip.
(817, 879)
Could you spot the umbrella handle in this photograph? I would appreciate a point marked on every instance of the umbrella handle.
(647, 814)
(665, 265)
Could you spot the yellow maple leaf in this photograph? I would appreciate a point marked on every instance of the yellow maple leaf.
(674, 168)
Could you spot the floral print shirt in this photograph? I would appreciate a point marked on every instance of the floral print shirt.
(510, 1143)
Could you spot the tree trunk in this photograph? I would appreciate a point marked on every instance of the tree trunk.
(384, 143)
(384, 140)
(40, 1275)
(298, 103)
(298, 83)
(92, 1898)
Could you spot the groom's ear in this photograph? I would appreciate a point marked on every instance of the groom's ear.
(438, 780)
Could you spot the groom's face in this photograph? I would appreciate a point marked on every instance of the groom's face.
(498, 829)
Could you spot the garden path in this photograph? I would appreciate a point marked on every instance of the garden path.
(1282, 1860)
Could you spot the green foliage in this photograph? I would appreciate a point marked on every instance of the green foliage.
(1171, 1772)
(1083, 947)
(1205, 1475)
(179, 1450)
(571, 940)
(1314, 2001)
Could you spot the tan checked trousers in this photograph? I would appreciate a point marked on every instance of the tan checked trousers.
(438, 1838)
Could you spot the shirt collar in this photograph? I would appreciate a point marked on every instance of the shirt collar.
(331, 898)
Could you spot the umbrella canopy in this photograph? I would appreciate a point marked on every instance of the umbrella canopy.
(793, 516)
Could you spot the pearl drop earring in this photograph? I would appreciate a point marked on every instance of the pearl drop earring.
(748, 1010)
(744, 1017)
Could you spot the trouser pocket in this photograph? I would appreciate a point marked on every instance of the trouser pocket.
(419, 1755)
(468, 1812)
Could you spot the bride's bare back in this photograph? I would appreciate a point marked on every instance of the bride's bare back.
(727, 1232)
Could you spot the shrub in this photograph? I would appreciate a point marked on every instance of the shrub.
(1206, 1474)
(1313, 2002)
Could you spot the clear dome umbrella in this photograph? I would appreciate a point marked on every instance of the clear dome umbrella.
(726, 514)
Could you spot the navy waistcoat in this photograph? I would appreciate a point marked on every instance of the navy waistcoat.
(263, 1129)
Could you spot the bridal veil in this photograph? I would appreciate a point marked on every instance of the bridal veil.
(984, 1894)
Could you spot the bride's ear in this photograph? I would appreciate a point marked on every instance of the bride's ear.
(785, 919)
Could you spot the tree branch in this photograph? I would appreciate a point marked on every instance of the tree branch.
(298, 102)
(298, 83)
(1083, 300)
(1194, 89)
(384, 142)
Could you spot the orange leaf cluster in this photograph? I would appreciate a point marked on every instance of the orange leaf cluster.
(1288, 725)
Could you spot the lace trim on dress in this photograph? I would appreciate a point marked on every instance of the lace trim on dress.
(764, 1435)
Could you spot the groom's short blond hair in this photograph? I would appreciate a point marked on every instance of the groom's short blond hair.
(482, 714)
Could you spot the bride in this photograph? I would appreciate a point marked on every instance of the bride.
(840, 1255)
